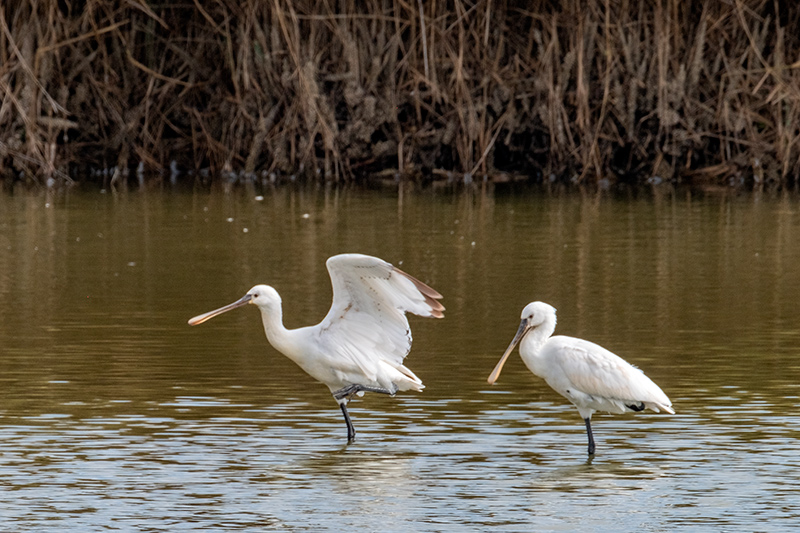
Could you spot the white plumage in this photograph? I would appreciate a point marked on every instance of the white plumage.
(361, 343)
(588, 375)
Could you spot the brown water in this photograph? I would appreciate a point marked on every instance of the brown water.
(114, 414)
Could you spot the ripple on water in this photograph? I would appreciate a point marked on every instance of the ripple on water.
(115, 415)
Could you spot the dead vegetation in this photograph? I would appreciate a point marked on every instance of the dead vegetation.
(614, 89)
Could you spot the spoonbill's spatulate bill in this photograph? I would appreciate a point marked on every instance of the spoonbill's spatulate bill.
(586, 374)
(361, 343)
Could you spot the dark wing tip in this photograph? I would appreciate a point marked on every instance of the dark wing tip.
(430, 294)
(438, 313)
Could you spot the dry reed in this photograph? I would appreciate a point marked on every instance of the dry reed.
(614, 88)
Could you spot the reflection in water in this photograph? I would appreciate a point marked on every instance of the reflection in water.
(114, 414)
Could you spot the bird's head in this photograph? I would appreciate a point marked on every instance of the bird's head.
(533, 315)
(264, 296)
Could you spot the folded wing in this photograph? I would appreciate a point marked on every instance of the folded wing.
(598, 372)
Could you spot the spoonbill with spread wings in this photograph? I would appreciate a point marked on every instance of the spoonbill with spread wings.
(586, 374)
(360, 344)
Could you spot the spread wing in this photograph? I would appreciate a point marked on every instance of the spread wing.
(367, 321)
(598, 372)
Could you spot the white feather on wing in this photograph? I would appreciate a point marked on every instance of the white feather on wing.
(367, 323)
(598, 372)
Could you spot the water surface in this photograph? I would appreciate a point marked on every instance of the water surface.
(116, 415)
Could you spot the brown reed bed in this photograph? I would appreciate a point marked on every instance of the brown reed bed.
(613, 89)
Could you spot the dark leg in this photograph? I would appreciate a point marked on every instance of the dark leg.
(589, 432)
(351, 431)
(350, 390)
(345, 393)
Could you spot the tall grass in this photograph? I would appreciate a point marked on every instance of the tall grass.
(621, 89)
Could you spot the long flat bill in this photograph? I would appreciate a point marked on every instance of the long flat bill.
(199, 319)
(523, 326)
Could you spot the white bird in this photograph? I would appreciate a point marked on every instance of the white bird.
(360, 344)
(588, 375)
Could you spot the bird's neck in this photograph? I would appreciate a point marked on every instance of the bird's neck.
(532, 343)
(277, 334)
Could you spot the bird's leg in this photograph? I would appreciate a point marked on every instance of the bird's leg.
(345, 392)
(351, 431)
(589, 432)
(350, 390)
(343, 396)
